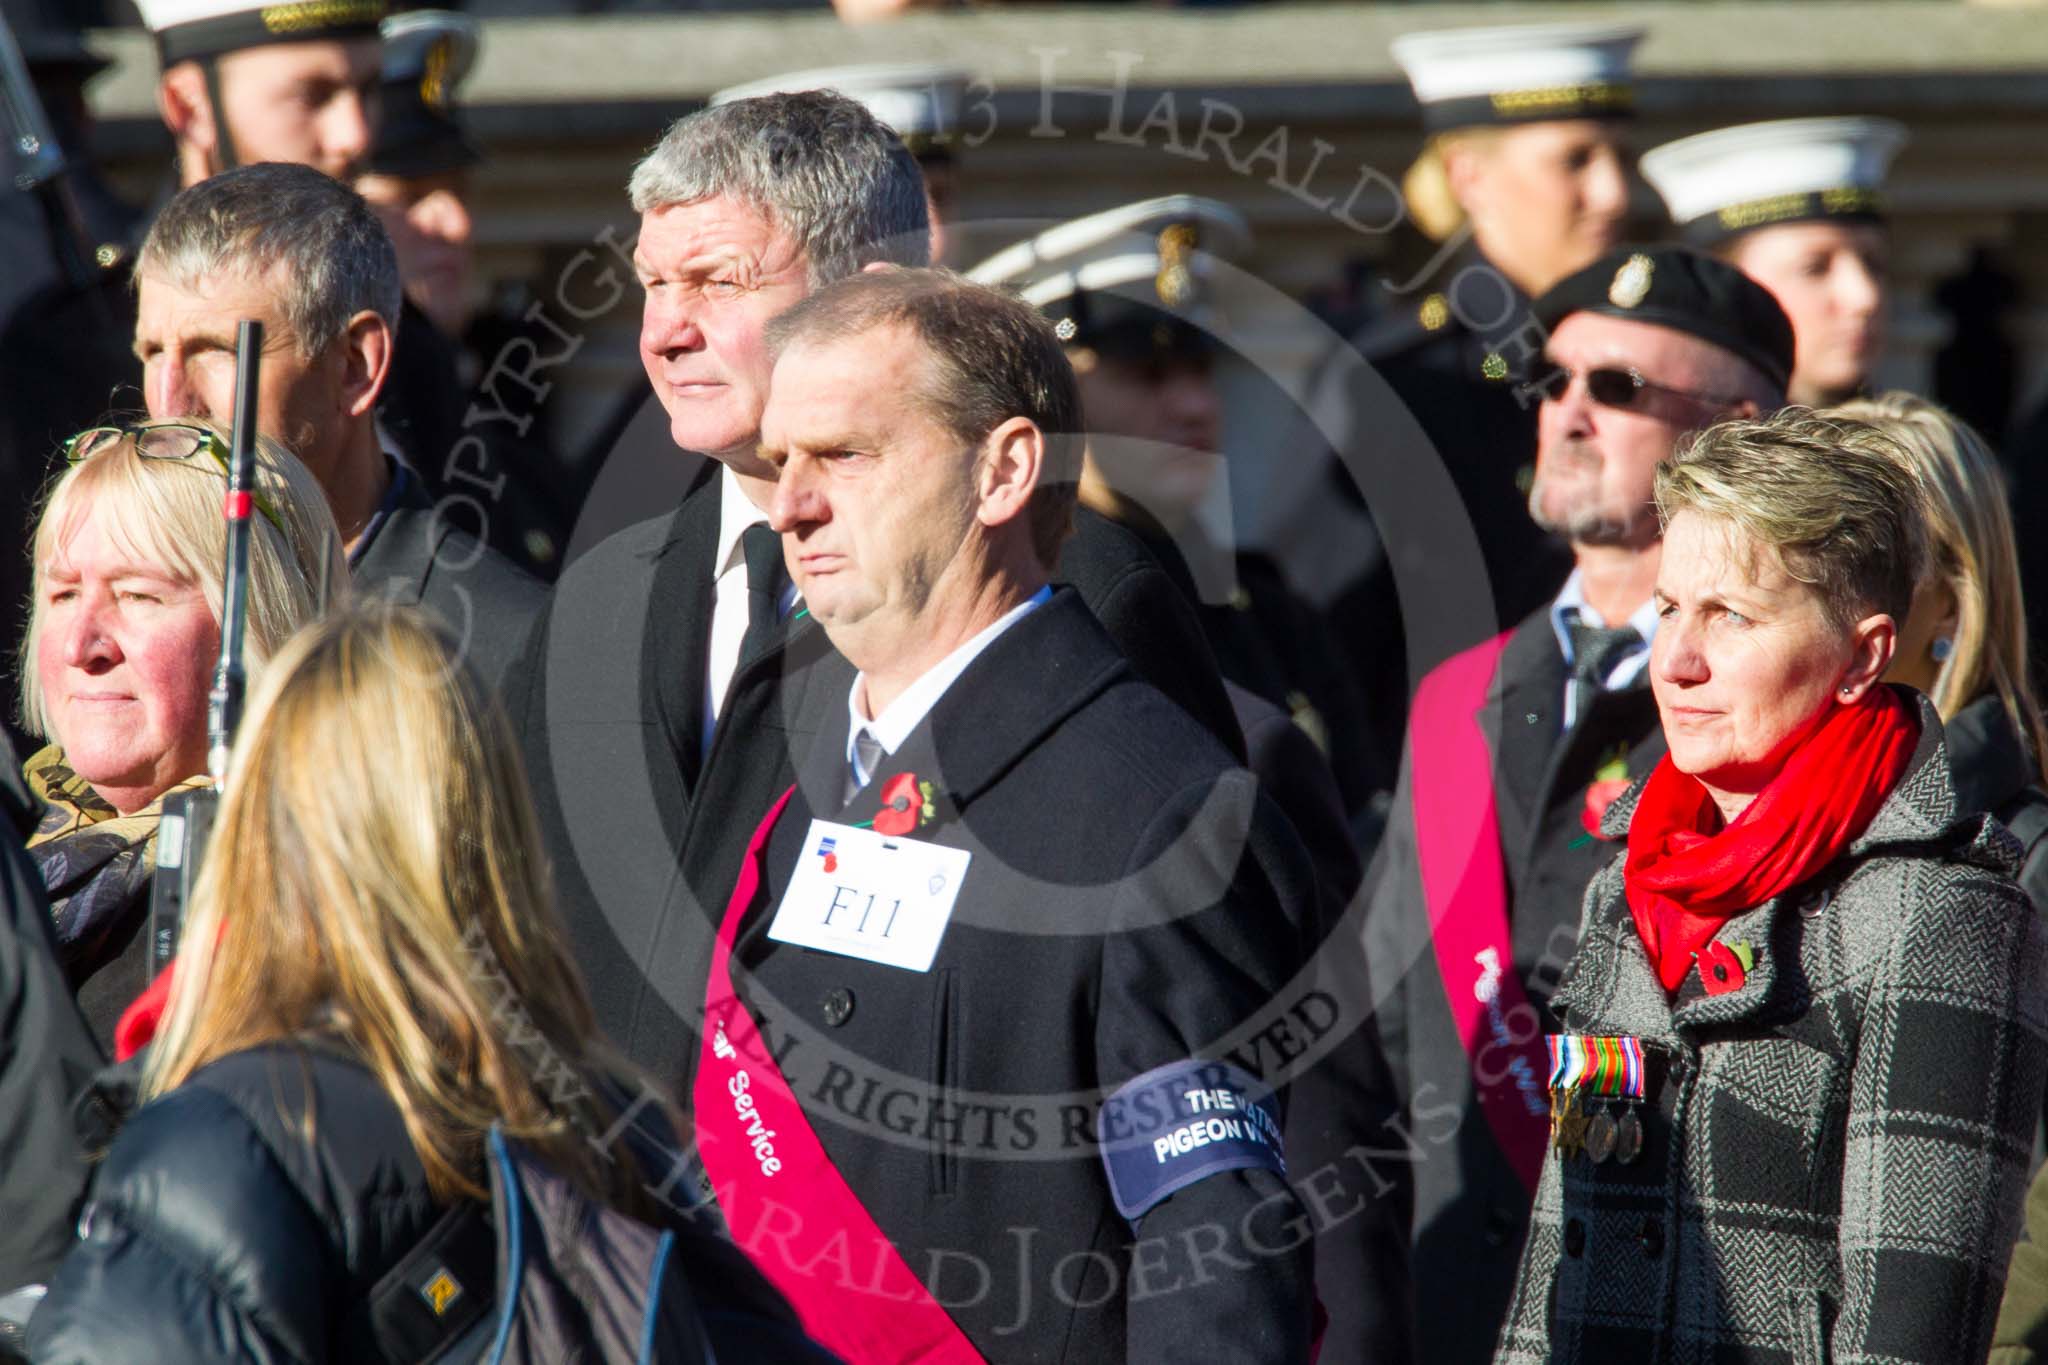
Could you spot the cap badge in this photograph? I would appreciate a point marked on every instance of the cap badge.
(434, 78)
(1632, 282)
(1176, 283)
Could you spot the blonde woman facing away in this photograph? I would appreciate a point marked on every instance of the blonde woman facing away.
(372, 976)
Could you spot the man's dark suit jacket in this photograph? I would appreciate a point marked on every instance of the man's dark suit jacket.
(644, 829)
(487, 604)
(1470, 1209)
(1132, 899)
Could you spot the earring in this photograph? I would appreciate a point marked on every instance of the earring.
(1942, 649)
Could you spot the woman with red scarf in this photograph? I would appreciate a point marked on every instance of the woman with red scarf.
(1802, 1041)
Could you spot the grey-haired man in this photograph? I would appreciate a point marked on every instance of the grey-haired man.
(669, 682)
(304, 255)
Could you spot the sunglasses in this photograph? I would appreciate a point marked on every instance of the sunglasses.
(165, 441)
(1618, 386)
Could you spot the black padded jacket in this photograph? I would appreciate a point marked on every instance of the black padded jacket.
(219, 1231)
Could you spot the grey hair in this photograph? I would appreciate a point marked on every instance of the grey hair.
(336, 259)
(819, 165)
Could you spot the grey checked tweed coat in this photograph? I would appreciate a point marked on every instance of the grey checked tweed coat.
(1836, 1151)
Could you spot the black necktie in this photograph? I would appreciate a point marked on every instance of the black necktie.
(766, 579)
(1596, 652)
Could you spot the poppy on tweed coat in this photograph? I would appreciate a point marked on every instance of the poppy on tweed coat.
(1836, 1149)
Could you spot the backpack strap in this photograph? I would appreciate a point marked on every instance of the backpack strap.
(440, 1289)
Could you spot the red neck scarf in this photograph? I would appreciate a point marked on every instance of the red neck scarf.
(1686, 873)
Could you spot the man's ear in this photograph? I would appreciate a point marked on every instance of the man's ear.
(368, 345)
(181, 101)
(1872, 642)
(1012, 459)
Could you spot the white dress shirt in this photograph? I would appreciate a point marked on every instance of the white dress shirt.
(916, 701)
(729, 596)
(1571, 606)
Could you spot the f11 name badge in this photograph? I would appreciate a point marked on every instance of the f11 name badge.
(871, 896)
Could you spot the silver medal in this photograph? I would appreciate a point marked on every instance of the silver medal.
(1628, 1140)
(1600, 1136)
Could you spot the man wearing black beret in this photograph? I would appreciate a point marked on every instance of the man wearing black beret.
(1476, 902)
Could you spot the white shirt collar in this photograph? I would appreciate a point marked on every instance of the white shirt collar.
(916, 701)
(736, 512)
(1571, 605)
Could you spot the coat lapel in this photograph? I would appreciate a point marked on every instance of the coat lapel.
(399, 559)
(1526, 720)
(1610, 989)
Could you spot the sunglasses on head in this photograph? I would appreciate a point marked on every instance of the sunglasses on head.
(172, 441)
(1619, 386)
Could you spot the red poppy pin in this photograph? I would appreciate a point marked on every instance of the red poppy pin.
(1725, 966)
(1609, 782)
(906, 805)
(1599, 796)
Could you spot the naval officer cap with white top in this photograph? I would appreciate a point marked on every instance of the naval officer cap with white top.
(1523, 141)
(1798, 205)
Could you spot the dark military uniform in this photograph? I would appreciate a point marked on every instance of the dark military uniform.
(1456, 346)
(1467, 387)
(502, 482)
(504, 486)
(1272, 644)
(65, 336)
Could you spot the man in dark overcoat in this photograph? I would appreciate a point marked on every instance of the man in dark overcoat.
(1019, 1074)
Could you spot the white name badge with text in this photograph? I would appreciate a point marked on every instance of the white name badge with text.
(872, 896)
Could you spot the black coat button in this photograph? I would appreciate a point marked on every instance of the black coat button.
(1499, 1223)
(1653, 1238)
(837, 1006)
(1574, 1237)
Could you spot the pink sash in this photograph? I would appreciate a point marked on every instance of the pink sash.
(1465, 887)
(786, 1204)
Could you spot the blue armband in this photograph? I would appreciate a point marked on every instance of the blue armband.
(1181, 1123)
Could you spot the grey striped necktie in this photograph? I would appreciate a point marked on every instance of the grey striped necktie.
(867, 753)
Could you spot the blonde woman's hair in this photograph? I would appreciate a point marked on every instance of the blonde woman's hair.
(376, 876)
(167, 513)
(1830, 496)
(1971, 549)
(1426, 188)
